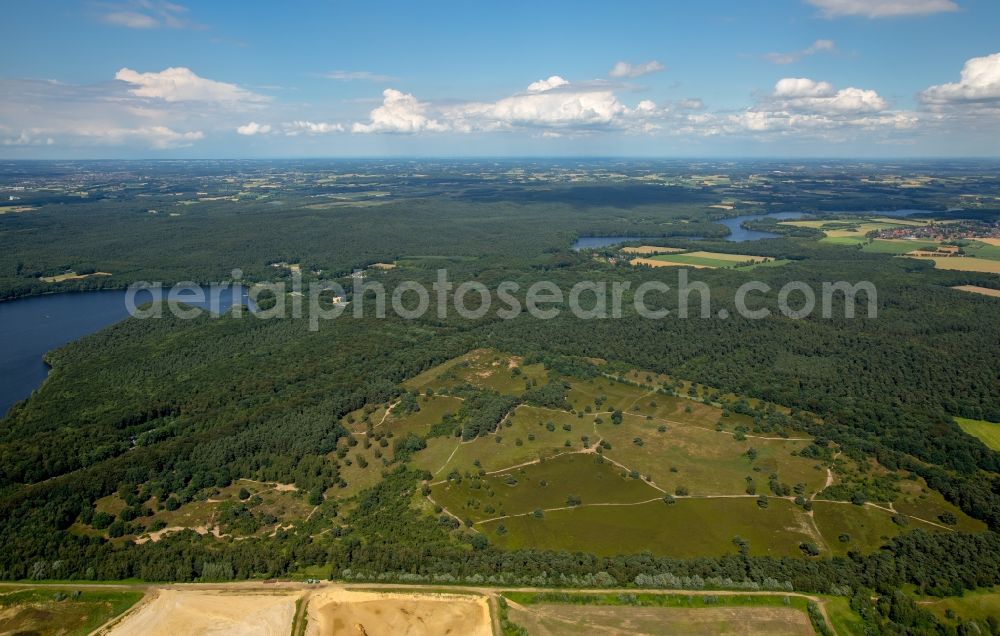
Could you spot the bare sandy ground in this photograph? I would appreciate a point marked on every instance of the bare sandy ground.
(975, 289)
(214, 612)
(339, 611)
(573, 620)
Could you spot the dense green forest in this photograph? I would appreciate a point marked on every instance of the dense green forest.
(174, 408)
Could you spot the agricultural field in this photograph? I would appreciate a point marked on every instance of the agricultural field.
(965, 264)
(709, 260)
(58, 610)
(561, 614)
(982, 255)
(976, 289)
(650, 249)
(898, 247)
(987, 432)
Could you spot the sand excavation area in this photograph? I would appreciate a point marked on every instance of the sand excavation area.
(215, 612)
(339, 611)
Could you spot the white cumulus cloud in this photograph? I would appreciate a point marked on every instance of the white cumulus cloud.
(979, 83)
(299, 127)
(253, 128)
(399, 113)
(552, 103)
(882, 8)
(804, 107)
(546, 84)
(180, 84)
(626, 69)
(547, 108)
(804, 94)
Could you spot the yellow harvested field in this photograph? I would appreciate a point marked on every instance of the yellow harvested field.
(383, 265)
(651, 249)
(894, 221)
(721, 256)
(657, 263)
(812, 224)
(995, 242)
(976, 289)
(214, 612)
(965, 264)
(70, 276)
(340, 611)
(10, 209)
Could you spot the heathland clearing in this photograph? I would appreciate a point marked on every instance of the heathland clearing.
(482, 368)
(979, 605)
(688, 528)
(987, 432)
(545, 485)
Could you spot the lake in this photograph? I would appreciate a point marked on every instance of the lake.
(737, 234)
(595, 242)
(30, 327)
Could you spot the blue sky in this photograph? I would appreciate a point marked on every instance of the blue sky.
(147, 78)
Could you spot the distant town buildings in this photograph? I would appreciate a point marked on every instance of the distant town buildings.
(941, 232)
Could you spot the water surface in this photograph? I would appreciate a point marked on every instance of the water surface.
(739, 234)
(596, 242)
(31, 327)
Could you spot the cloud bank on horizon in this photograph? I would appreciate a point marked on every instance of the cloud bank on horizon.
(174, 107)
